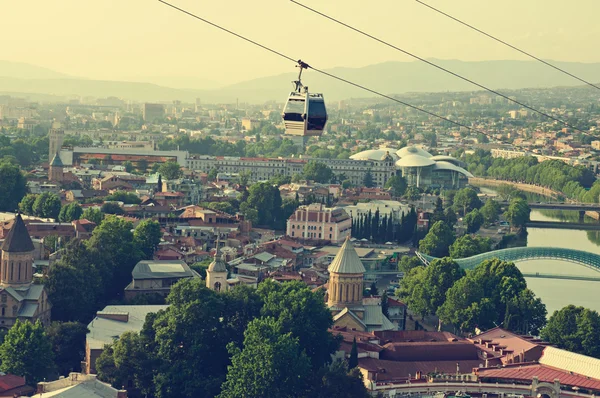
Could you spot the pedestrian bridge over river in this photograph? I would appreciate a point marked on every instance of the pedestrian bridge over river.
(587, 259)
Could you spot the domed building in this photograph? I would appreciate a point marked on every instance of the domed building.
(345, 294)
(422, 169)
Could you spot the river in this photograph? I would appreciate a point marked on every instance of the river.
(557, 293)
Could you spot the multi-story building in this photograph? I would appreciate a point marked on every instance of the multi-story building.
(151, 112)
(389, 208)
(265, 168)
(190, 188)
(318, 222)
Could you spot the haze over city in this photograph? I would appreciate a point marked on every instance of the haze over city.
(143, 39)
(186, 213)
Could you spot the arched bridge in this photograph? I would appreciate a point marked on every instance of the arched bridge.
(586, 259)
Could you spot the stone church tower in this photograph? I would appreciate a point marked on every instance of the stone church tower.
(56, 138)
(19, 297)
(55, 173)
(216, 274)
(346, 273)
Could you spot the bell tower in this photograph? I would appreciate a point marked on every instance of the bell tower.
(16, 267)
(56, 137)
(346, 275)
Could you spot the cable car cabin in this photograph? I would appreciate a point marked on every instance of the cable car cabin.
(305, 114)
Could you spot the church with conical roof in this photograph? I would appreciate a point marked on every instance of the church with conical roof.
(345, 294)
(20, 298)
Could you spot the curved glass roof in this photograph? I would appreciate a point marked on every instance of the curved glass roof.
(452, 167)
(446, 158)
(412, 150)
(414, 161)
(375, 154)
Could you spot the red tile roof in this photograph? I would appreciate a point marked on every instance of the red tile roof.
(8, 382)
(401, 370)
(524, 372)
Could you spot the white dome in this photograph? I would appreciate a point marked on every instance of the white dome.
(375, 154)
(414, 161)
(413, 150)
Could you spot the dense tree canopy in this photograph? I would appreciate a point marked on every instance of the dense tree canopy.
(46, 205)
(128, 198)
(27, 351)
(493, 293)
(70, 212)
(146, 237)
(13, 186)
(317, 171)
(517, 213)
(466, 200)
(470, 245)
(264, 205)
(170, 170)
(438, 240)
(397, 185)
(575, 329)
(94, 215)
(68, 345)
(424, 288)
(473, 221)
(490, 211)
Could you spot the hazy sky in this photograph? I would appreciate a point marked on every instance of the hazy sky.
(116, 39)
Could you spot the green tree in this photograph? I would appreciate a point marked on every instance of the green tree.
(212, 174)
(113, 242)
(385, 305)
(407, 263)
(473, 221)
(26, 351)
(494, 292)
(337, 381)
(265, 199)
(190, 340)
(13, 186)
(146, 237)
(70, 212)
(26, 204)
(111, 208)
(468, 245)
(201, 267)
(47, 205)
(128, 166)
(428, 286)
(170, 170)
(128, 198)
(77, 267)
(303, 313)
(94, 215)
(271, 364)
(368, 180)
(373, 289)
(575, 329)
(353, 360)
(450, 217)
(346, 184)
(466, 200)
(437, 241)
(68, 345)
(125, 360)
(412, 193)
(397, 185)
(317, 171)
(517, 213)
(490, 211)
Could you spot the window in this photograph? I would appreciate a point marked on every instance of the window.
(293, 226)
(292, 233)
(4, 311)
(14, 312)
(4, 298)
(330, 228)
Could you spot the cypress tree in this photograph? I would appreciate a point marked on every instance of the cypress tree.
(353, 360)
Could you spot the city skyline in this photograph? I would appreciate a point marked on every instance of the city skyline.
(78, 38)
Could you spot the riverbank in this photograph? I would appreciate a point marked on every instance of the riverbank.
(487, 182)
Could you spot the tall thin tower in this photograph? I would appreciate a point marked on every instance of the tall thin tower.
(56, 137)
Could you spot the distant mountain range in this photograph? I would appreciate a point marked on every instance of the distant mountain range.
(388, 78)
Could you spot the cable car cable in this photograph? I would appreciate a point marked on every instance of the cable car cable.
(322, 71)
(509, 45)
(439, 67)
